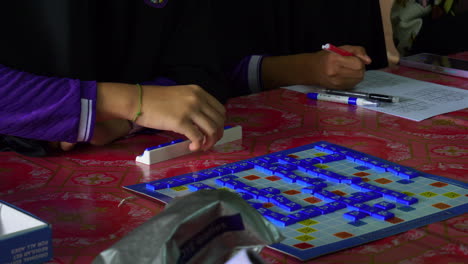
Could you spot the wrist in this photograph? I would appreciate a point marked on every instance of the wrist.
(116, 100)
(285, 70)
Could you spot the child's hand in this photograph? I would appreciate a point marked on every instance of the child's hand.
(184, 109)
(334, 71)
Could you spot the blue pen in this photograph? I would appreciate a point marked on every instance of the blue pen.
(342, 99)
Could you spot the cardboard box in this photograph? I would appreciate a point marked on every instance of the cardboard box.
(24, 238)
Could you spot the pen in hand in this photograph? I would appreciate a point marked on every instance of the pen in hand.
(331, 48)
(337, 50)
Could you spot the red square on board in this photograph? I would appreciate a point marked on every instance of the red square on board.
(252, 177)
(291, 192)
(273, 178)
(268, 205)
(439, 184)
(361, 174)
(312, 200)
(303, 246)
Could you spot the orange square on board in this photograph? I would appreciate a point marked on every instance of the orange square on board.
(383, 181)
(338, 192)
(441, 206)
(395, 220)
(343, 235)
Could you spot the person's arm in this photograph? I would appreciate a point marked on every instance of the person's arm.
(184, 109)
(65, 110)
(393, 56)
(46, 108)
(107, 131)
(258, 72)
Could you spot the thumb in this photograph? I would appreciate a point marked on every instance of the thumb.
(65, 146)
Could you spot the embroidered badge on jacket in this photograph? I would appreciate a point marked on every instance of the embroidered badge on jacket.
(156, 3)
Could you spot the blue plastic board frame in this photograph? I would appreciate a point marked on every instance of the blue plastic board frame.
(341, 168)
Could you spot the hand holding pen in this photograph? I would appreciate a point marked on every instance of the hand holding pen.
(362, 56)
(341, 68)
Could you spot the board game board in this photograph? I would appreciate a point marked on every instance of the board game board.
(325, 197)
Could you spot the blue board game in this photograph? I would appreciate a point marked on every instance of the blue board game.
(325, 197)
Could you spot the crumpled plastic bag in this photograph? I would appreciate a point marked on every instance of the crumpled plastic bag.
(207, 226)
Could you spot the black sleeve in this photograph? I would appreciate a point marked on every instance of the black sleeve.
(278, 27)
(24, 146)
(190, 56)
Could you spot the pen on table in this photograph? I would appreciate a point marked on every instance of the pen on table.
(372, 96)
(342, 99)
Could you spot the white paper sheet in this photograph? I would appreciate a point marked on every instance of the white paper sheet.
(418, 100)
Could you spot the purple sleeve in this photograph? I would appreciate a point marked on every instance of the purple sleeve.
(248, 73)
(46, 108)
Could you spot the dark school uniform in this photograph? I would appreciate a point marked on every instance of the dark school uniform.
(249, 30)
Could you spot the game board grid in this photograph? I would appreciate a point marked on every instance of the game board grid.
(324, 235)
(425, 204)
(298, 198)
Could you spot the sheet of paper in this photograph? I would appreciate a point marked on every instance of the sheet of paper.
(418, 100)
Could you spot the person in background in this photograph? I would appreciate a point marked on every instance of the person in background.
(430, 26)
(267, 44)
(69, 72)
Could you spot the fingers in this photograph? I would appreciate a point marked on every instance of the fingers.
(352, 63)
(209, 128)
(193, 134)
(359, 52)
(208, 117)
(65, 146)
(210, 122)
(344, 72)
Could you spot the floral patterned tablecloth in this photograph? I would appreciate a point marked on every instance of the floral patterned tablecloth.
(80, 193)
